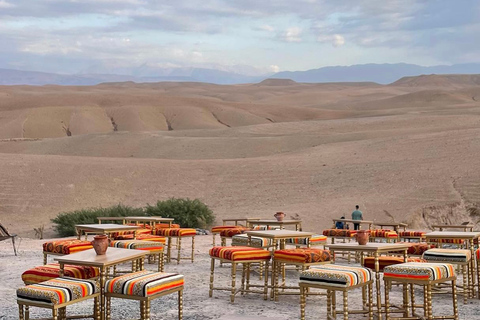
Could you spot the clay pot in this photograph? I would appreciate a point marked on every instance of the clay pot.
(362, 237)
(279, 216)
(100, 244)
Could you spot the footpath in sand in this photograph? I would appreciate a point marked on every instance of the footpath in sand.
(197, 304)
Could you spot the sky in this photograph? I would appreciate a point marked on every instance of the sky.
(246, 36)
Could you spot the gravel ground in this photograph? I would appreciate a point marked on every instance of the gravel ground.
(197, 304)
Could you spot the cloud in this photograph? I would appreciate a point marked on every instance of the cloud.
(267, 27)
(274, 68)
(292, 34)
(6, 4)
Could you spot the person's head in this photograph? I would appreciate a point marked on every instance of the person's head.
(342, 217)
(357, 207)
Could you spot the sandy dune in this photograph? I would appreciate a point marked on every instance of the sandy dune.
(404, 152)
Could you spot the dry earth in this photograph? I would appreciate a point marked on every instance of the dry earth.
(407, 151)
(197, 305)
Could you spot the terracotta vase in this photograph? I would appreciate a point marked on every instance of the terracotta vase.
(100, 244)
(279, 216)
(362, 236)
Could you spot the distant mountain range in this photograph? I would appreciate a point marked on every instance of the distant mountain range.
(379, 73)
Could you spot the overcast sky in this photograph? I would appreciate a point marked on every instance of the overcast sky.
(72, 36)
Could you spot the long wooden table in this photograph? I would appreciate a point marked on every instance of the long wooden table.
(370, 223)
(276, 223)
(237, 220)
(102, 229)
(395, 225)
(112, 257)
(151, 220)
(465, 227)
(376, 249)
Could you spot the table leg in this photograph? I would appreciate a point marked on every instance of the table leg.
(472, 269)
(103, 279)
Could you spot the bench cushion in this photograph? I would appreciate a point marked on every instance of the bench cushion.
(265, 227)
(138, 232)
(239, 253)
(339, 233)
(447, 255)
(147, 237)
(218, 229)
(144, 283)
(51, 271)
(420, 271)
(58, 291)
(385, 261)
(257, 242)
(383, 233)
(306, 255)
(414, 234)
(316, 239)
(66, 246)
(233, 231)
(176, 232)
(136, 244)
(166, 225)
(336, 276)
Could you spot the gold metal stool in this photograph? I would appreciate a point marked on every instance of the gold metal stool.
(426, 275)
(335, 278)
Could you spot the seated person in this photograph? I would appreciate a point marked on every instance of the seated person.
(340, 224)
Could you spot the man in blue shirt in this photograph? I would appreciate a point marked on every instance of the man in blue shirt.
(357, 215)
(340, 224)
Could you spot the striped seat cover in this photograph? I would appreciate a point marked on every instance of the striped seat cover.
(420, 271)
(383, 233)
(453, 241)
(147, 237)
(233, 231)
(176, 232)
(407, 234)
(166, 225)
(447, 255)
(336, 276)
(51, 271)
(264, 227)
(316, 239)
(58, 291)
(66, 246)
(144, 283)
(239, 253)
(339, 233)
(306, 255)
(385, 261)
(136, 244)
(218, 229)
(257, 242)
(140, 231)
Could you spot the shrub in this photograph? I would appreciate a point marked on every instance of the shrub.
(66, 221)
(188, 213)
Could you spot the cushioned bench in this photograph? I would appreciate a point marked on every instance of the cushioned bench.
(51, 271)
(217, 229)
(407, 235)
(315, 240)
(155, 249)
(388, 235)
(426, 275)
(145, 286)
(178, 233)
(64, 246)
(334, 278)
(235, 256)
(230, 232)
(56, 294)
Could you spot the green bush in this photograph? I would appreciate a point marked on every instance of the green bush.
(66, 221)
(188, 213)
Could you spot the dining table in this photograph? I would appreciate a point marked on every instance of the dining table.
(99, 228)
(360, 222)
(374, 248)
(466, 227)
(111, 258)
(276, 223)
(395, 225)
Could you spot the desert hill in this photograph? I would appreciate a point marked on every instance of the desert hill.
(407, 153)
(440, 81)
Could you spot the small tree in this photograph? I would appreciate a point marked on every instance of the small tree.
(188, 213)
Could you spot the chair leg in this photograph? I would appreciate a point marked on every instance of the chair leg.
(96, 309)
(387, 300)
(454, 297)
(193, 248)
(147, 310)
(412, 298)
(345, 305)
(234, 273)
(212, 270)
(180, 305)
(429, 301)
(334, 304)
(27, 312)
(108, 308)
(265, 285)
(179, 248)
(302, 303)
(142, 310)
(14, 248)
(54, 314)
(370, 301)
(44, 258)
(21, 315)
